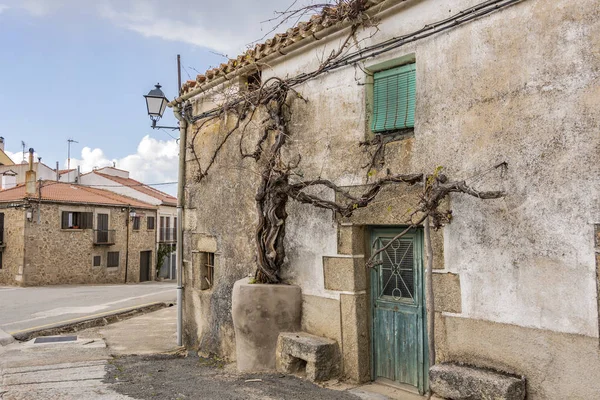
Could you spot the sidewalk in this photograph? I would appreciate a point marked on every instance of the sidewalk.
(135, 359)
(76, 369)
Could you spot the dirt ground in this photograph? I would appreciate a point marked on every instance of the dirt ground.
(178, 378)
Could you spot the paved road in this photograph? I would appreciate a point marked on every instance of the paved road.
(33, 307)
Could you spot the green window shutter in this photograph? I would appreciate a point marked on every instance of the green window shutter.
(394, 92)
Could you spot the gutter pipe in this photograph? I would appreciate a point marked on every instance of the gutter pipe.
(180, 202)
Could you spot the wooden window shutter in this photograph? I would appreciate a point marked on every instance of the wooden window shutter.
(65, 220)
(394, 94)
(112, 259)
(1, 227)
(87, 220)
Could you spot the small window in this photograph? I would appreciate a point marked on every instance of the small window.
(210, 269)
(77, 220)
(136, 223)
(162, 229)
(394, 94)
(97, 261)
(150, 223)
(112, 259)
(207, 270)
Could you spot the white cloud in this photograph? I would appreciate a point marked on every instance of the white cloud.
(227, 26)
(19, 157)
(155, 161)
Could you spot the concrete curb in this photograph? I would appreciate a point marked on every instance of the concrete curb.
(5, 338)
(90, 323)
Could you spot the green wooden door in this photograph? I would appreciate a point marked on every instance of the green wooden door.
(398, 304)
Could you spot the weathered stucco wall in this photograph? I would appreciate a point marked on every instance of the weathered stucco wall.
(12, 253)
(65, 256)
(519, 85)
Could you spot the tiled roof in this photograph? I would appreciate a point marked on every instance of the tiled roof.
(64, 171)
(62, 192)
(165, 198)
(302, 31)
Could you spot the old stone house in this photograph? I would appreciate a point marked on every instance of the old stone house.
(483, 83)
(63, 233)
(118, 181)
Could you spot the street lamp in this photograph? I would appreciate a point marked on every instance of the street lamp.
(156, 103)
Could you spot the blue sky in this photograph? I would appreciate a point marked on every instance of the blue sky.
(77, 71)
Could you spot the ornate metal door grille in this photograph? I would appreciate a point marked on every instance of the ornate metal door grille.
(397, 270)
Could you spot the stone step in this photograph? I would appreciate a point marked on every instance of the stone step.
(462, 382)
(317, 356)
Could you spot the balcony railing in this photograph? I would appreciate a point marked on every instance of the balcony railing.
(167, 235)
(104, 237)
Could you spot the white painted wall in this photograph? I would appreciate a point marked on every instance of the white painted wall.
(114, 172)
(518, 85)
(42, 171)
(100, 182)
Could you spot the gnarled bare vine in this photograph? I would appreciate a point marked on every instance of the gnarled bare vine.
(278, 178)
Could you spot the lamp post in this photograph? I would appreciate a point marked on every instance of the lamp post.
(156, 103)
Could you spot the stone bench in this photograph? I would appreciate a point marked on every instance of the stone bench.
(463, 382)
(299, 352)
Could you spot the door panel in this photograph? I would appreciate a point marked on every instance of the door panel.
(145, 257)
(102, 227)
(398, 308)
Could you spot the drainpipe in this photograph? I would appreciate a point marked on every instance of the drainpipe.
(180, 202)
(127, 241)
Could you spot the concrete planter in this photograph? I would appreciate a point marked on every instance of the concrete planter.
(260, 313)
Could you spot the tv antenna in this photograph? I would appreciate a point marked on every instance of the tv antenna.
(23, 145)
(69, 141)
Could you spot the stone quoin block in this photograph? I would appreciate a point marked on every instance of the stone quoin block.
(319, 356)
(345, 274)
(462, 382)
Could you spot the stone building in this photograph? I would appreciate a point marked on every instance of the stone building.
(515, 279)
(63, 233)
(118, 181)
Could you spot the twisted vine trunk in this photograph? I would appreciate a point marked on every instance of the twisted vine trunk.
(271, 200)
(270, 232)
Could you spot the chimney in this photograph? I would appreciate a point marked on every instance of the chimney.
(57, 173)
(78, 174)
(30, 176)
(1, 143)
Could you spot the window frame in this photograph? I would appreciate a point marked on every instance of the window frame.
(108, 259)
(148, 219)
(136, 222)
(370, 71)
(94, 257)
(76, 220)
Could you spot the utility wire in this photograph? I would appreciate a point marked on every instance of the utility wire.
(460, 18)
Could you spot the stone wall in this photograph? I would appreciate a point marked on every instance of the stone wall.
(141, 240)
(521, 86)
(56, 256)
(12, 254)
